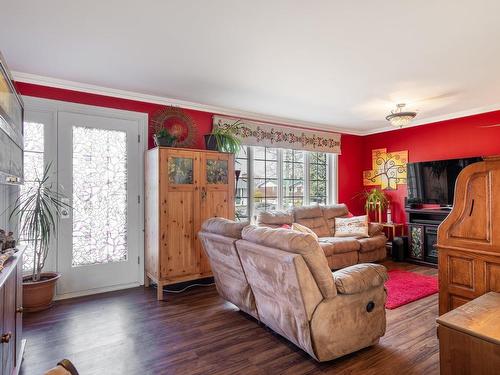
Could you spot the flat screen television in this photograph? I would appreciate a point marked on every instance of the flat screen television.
(433, 182)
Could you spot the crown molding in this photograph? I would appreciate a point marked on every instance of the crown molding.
(130, 95)
(434, 119)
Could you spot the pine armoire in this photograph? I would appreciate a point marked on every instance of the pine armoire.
(469, 238)
(183, 187)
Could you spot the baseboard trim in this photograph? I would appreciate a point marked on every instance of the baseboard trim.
(97, 291)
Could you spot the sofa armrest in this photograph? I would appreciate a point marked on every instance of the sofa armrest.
(375, 229)
(360, 277)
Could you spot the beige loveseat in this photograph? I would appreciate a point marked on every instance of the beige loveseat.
(340, 251)
(282, 278)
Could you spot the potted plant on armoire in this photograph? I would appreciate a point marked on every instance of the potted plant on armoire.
(224, 138)
(37, 210)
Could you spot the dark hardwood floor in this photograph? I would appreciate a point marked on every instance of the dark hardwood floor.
(196, 332)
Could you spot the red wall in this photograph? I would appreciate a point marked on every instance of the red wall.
(467, 136)
(202, 119)
(350, 166)
(349, 162)
(462, 137)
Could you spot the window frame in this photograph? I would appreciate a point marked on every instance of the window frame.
(331, 179)
(246, 160)
(30, 184)
(304, 179)
(328, 174)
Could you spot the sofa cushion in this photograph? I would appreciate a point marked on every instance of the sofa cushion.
(356, 226)
(372, 256)
(330, 212)
(224, 227)
(374, 229)
(335, 210)
(303, 229)
(298, 243)
(338, 261)
(338, 245)
(229, 277)
(316, 224)
(274, 219)
(307, 212)
(312, 217)
(360, 277)
(372, 243)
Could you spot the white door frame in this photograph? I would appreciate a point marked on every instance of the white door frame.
(55, 106)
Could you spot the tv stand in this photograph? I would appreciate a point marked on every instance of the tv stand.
(422, 234)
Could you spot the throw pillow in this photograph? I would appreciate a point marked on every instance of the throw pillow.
(356, 226)
(286, 226)
(301, 228)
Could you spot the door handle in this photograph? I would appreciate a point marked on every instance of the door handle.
(203, 193)
(6, 338)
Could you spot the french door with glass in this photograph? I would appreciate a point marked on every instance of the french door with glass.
(96, 163)
(99, 173)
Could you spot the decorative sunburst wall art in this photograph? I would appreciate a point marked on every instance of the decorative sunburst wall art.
(388, 169)
(178, 123)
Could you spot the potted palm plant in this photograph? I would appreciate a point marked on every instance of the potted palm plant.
(224, 139)
(36, 211)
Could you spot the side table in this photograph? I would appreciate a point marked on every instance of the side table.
(393, 228)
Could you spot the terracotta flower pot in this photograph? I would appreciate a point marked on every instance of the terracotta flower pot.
(39, 295)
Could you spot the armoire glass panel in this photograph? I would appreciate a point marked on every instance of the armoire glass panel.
(180, 170)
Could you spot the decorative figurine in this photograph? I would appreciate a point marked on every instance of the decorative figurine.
(7, 240)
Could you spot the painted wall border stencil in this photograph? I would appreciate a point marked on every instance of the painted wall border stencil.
(388, 169)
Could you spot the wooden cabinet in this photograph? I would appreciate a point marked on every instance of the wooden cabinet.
(11, 129)
(469, 238)
(11, 346)
(183, 188)
(469, 338)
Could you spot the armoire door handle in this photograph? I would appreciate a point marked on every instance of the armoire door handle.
(203, 193)
(6, 338)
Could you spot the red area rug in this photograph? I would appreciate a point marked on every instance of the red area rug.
(404, 287)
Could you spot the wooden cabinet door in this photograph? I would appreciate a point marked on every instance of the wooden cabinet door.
(217, 192)
(1, 328)
(19, 311)
(9, 324)
(179, 203)
(416, 241)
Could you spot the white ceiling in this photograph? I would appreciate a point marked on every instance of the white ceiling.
(340, 65)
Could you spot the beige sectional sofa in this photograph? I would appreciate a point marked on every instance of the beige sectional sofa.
(340, 251)
(282, 278)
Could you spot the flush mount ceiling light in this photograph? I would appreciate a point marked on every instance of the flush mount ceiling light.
(400, 118)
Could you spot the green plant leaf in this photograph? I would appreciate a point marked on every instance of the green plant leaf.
(226, 139)
(37, 209)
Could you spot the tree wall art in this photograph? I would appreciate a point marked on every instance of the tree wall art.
(388, 169)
